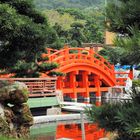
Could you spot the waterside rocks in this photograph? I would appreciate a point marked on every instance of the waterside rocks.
(15, 115)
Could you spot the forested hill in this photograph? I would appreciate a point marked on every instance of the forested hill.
(54, 4)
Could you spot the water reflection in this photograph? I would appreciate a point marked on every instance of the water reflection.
(44, 131)
(73, 131)
(69, 130)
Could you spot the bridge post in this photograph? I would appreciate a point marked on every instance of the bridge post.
(98, 103)
(60, 83)
(73, 85)
(66, 53)
(97, 85)
(86, 85)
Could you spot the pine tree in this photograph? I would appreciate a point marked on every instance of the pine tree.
(123, 17)
(122, 14)
(24, 32)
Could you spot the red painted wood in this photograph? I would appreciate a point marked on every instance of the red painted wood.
(78, 67)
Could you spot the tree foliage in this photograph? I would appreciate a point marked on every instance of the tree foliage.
(127, 50)
(93, 32)
(126, 23)
(76, 34)
(24, 32)
(63, 20)
(114, 54)
(122, 117)
(55, 4)
(123, 14)
(131, 44)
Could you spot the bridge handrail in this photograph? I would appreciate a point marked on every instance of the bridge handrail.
(37, 86)
(49, 50)
(60, 60)
(80, 51)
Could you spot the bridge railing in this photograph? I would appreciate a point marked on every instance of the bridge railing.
(121, 77)
(68, 55)
(37, 86)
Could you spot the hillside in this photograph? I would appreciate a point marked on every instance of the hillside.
(54, 4)
(75, 21)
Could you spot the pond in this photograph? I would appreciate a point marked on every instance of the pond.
(66, 131)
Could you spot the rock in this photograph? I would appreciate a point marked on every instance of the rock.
(23, 131)
(15, 93)
(15, 114)
(9, 115)
(24, 116)
(4, 127)
(1, 110)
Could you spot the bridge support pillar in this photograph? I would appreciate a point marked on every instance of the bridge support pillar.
(86, 85)
(60, 83)
(97, 85)
(98, 103)
(73, 85)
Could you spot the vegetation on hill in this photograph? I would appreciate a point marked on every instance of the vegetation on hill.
(89, 13)
(55, 4)
(90, 30)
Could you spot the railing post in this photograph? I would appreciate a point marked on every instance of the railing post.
(59, 83)
(66, 53)
(91, 54)
(82, 126)
(86, 85)
(97, 85)
(48, 51)
(73, 85)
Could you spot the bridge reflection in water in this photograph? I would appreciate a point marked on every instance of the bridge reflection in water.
(66, 131)
(69, 130)
(73, 132)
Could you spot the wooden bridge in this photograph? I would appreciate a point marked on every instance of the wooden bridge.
(87, 73)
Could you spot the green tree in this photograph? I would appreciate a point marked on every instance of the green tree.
(121, 118)
(93, 32)
(63, 19)
(62, 35)
(114, 55)
(123, 14)
(76, 34)
(24, 32)
(56, 4)
(126, 23)
(77, 13)
(131, 45)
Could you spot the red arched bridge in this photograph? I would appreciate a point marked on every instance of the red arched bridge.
(87, 74)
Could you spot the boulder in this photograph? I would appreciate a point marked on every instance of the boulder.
(15, 114)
